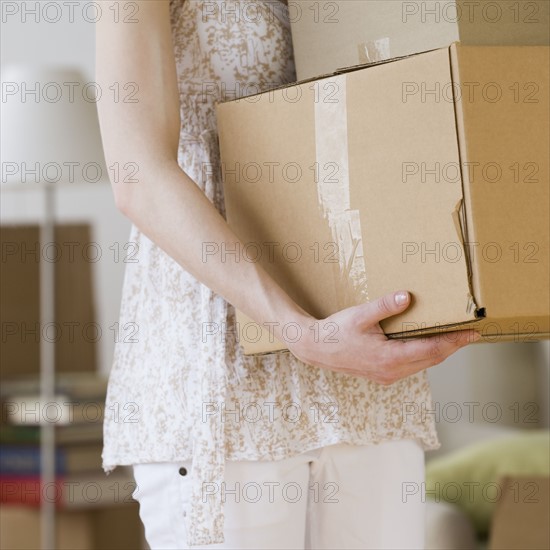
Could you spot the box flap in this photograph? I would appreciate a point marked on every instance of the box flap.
(503, 119)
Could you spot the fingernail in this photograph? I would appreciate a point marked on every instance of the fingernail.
(401, 298)
(477, 336)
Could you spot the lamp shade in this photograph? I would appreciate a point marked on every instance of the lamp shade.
(49, 126)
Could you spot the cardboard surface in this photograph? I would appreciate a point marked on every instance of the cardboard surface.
(520, 521)
(346, 181)
(504, 114)
(112, 528)
(329, 35)
(19, 290)
(20, 529)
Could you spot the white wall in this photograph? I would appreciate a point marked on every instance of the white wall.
(499, 380)
(488, 390)
(44, 45)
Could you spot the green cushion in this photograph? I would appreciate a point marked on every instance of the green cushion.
(470, 477)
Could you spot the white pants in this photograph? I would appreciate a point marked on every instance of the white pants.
(335, 497)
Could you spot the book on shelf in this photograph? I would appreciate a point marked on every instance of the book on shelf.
(84, 490)
(86, 432)
(79, 398)
(71, 459)
(33, 410)
(76, 413)
(77, 385)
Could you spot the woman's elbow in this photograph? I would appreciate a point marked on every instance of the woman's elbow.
(124, 198)
(134, 183)
(132, 193)
(125, 185)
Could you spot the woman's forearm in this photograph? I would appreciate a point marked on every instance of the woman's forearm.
(161, 199)
(171, 210)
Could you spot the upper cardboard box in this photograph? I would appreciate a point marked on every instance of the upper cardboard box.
(428, 173)
(333, 34)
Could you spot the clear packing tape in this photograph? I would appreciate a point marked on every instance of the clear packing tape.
(374, 51)
(331, 142)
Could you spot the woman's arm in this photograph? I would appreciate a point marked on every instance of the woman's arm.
(171, 210)
(166, 205)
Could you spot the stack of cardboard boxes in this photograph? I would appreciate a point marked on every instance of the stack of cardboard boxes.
(411, 154)
(330, 35)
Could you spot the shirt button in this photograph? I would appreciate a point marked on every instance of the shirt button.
(183, 471)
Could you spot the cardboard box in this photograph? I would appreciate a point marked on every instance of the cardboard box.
(20, 529)
(330, 35)
(520, 521)
(109, 528)
(75, 331)
(383, 178)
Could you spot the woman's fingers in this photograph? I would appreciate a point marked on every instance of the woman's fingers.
(426, 348)
(436, 354)
(405, 360)
(371, 313)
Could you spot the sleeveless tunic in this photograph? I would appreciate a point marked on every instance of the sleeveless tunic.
(176, 392)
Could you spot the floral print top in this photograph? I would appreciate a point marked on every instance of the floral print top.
(181, 390)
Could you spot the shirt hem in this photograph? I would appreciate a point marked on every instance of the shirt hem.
(110, 462)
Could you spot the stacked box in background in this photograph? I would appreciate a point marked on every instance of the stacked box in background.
(333, 34)
(113, 528)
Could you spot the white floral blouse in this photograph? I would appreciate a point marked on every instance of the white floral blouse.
(176, 390)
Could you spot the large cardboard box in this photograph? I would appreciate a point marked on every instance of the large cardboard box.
(429, 173)
(334, 34)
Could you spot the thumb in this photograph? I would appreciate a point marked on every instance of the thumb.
(386, 306)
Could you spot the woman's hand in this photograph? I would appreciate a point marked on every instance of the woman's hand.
(351, 341)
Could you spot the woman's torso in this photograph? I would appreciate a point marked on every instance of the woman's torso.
(223, 49)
